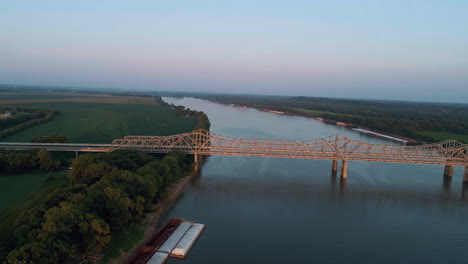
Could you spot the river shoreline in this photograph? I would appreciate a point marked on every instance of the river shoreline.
(288, 112)
(153, 219)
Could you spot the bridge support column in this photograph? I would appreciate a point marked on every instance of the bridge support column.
(334, 165)
(196, 159)
(344, 169)
(448, 171)
(465, 174)
(76, 154)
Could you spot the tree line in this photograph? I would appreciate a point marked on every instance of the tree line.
(51, 139)
(203, 121)
(27, 160)
(24, 118)
(106, 192)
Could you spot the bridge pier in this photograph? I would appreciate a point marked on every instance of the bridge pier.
(344, 169)
(465, 174)
(448, 171)
(334, 166)
(196, 159)
(76, 154)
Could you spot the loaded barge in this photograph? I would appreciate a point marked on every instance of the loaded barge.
(175, 239)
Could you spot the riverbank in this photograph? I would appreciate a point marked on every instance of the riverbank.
(153, 220)
(317, 115)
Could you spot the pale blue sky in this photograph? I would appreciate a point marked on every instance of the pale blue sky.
(415, 50)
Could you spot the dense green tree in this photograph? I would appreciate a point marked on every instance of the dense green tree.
(154, 180)
(28, 220)
(21, 160)
(95, 232)
(163, 172)
(112, 204)
(51, 139)
(45, 161)
(101, 199)
(95, 171)
(79, 166)
(33, 253)
(175, 172)
(70, 222)
(181, 159)
(126, 159)
(64, 194)
(3, 163)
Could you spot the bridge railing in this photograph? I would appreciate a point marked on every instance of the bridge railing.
(335, 147)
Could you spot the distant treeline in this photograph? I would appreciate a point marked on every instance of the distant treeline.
(23, 118)
(34, 159)
(203, 121)
(106, 193)
(51, 139)
(407, 119)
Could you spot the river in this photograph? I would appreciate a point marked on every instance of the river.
(273, 210)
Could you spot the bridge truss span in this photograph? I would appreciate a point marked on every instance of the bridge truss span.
(201, 142)
(333, 147)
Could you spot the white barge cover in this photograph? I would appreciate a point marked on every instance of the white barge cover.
(185, 244)
(172, 241)
(158, 258)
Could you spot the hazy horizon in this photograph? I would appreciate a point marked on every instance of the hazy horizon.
(390, 50)
(190, 93)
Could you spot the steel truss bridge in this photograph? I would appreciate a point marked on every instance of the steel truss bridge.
(201, 142)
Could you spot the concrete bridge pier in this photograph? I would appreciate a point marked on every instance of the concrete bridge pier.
(465, 174)
(448, 171)
(76, 154)
(344, 169)
(196, 159)
(334, 166)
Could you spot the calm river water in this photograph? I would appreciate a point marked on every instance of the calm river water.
(269, 210)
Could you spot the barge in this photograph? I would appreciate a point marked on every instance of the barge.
(380, 135)
(145, 253)
(175, 239)
(187, 241)
(273, 111)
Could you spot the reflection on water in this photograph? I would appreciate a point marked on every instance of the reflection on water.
(447, 181)
(464, 192)
(272, 210)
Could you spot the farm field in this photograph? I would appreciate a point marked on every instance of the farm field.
(11, 94)
(440, 136)
(102, 122)
(316, 113)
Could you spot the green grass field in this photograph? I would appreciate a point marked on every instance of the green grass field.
(22, 191)
(315, 113)
(101, 123)
(441, 136)
(38, 94)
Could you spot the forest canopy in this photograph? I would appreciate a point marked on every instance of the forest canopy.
(106, 192)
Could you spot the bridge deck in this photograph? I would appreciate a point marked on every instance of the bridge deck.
(333, 147)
